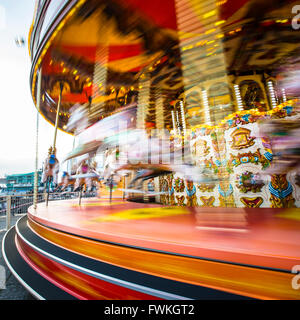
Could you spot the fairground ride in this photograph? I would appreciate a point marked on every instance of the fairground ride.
(208, 71)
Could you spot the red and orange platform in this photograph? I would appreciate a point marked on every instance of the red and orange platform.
(126, 250)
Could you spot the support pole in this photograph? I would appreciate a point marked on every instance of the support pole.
(110, 188)
(80, 194)
(57, 115)
(36, 174)
(71, 162)
(124, 186)
(8, 212)
(49, 180)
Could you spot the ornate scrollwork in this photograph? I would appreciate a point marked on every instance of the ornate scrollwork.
(241, 139)
(252, 202)
(249, 182)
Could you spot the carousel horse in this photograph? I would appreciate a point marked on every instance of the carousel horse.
(86, 175)
(138, 156)
(283, 136)
(65, 182)
(134, 145)
(110, 174)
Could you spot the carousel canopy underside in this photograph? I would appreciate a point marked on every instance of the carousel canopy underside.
(108, 50)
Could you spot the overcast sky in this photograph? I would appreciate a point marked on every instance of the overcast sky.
(17, 111)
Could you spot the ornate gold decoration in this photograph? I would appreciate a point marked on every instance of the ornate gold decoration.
(207, 201)
(281, 192)
(241, 139)
(180, 200)
(191, 197)
(252, 202)
(206, 187)
(200, 148)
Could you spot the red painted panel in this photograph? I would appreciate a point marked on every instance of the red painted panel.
(78, 284)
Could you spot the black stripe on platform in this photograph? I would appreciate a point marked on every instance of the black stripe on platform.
(166, 252)
(37, 285)
(138, 281)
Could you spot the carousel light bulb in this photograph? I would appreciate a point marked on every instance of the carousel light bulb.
(219, 22)
(206, 106)
(238, 97)
(272, 94)
(283, 95)
(183, 117)
(173, 121)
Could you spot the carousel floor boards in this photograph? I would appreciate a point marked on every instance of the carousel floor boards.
(127, 250)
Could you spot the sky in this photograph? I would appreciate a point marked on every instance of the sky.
(17, 111)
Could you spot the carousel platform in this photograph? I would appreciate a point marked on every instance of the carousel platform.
(126, 250)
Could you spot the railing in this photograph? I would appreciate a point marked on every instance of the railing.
(18, 204)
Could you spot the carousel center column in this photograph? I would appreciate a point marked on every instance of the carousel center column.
(204, 66)
(142, 110)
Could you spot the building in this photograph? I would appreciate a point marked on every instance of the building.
(21, 183)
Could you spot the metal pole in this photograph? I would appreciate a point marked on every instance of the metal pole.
(124, 186)
(80, 194)
(8, 212)
(70, 162)
(110, 188)
(57, 115)
(48, 181)
(36, 177)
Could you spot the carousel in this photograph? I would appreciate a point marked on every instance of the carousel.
(173, 105)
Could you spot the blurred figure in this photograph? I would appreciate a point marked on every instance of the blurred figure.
(147, 152)
(110, 167)
(50, 168)
(82, 169)
(65, 181)
(85, 175)
(283, 136)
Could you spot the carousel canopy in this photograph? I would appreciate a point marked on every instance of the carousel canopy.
(105, 52)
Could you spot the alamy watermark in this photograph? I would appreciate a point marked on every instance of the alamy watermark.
(2, 278)
(296, 278)
(296, 18)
